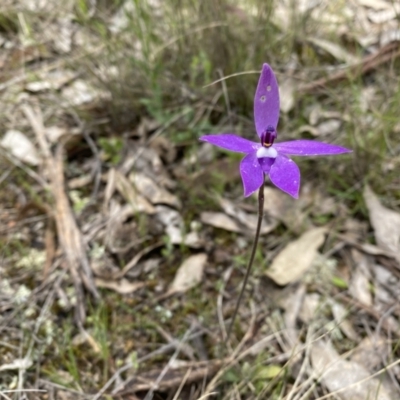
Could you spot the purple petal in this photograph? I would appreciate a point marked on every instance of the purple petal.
(266, 163)
(231, 142)
(285, 175)
(252, 174)
(266, 101)
(309, 148)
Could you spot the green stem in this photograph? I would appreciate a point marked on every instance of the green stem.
(253, 253)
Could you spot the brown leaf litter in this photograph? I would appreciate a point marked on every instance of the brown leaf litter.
(296, 258)
(320, 317)
(69, 235)
(386, 224)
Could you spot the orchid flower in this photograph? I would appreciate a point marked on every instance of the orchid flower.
(265, 156)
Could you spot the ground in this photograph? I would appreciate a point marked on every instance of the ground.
(124, 240)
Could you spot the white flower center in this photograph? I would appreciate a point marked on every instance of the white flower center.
(266, 152)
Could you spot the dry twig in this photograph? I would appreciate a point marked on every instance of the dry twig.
(68, 232)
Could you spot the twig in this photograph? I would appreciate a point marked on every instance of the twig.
(369, 63)
(150, 393)
(68, 232)
(129, 365)
(225, 277)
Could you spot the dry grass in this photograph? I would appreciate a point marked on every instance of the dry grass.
(85, 264)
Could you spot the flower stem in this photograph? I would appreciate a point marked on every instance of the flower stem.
(253, 253)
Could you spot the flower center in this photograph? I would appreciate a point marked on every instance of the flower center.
(268, 136)
(269, 152)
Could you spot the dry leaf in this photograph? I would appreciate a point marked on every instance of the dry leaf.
(293, 304)
(309, 307)
(248, 220)
(130, 194)
(342, 376)
(328, 127)
(359, 286)
(282, 207)
(386, 223)
(286, 94)
(174, 227)
(386, 291)
(53, 80)
(340, 313)
(122, 286)
(375, 4)
(291, 263)
(173, 222)
(20, 147)
(219, 220)
(334, 50)
(391, 35)
(153, 192)
(189, 274)
(383, 16)
(54, 133)
(80, 92)
(370, 352)
(119, 235)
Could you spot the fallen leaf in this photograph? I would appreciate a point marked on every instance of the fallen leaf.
(315, 113)
(122, 286)
(309, 307)
(130, 194)
(341, 376)
(219, 220)
(386, 291)
(370, 352)
(173, 222)
(391, 35)
(340, 313)
(334, 50)
(246, 219)
(286, 95)
(384, 16)
(189, 274)
(20, 147)
(174, 227)
(386, 223)
(120, 235)
(153, 192)
(80, 92)
(292, 305)
(284, 208)
(60, 33)
(375, 4)
(359, 286)
(328, 127)
(54, 133)
(53, 80)
(296, 258)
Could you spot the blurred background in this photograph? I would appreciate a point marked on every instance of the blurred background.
(124, 240)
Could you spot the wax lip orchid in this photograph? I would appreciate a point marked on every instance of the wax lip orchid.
(266, 156)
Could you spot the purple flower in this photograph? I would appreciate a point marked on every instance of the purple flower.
(267, 157)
